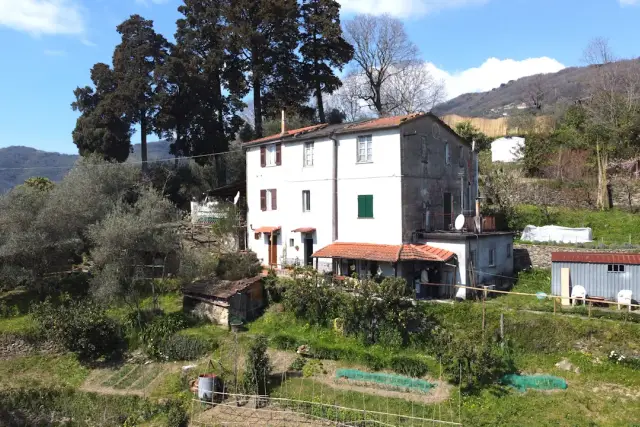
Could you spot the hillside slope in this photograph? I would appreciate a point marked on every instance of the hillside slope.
(17, 163)
(565, 86)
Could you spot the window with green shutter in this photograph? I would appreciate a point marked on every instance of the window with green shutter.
(365, 206)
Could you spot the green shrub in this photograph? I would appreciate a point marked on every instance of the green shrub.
(158, 327)
(238, 265)
(312, 368)
(372, 361)
(183, 347)
(409, 366)
(284, 342)
(298, 364)
(257, 367)
(81, 327)
(176, 414)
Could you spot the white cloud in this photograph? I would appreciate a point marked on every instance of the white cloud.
(492, 73)
(406, 8)
(39, 17)
(629, 2)
(88, 43)
(54, 52)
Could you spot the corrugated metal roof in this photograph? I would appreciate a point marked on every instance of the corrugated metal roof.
(596, 258)
(223, 289)
(383, 253)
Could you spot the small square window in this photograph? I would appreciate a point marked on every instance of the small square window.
(509, 250)
(291, 243)
(271, 155)
(447, 153)
(365, 206)
(621, 269)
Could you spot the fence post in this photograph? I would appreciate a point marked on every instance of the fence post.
(502, 330)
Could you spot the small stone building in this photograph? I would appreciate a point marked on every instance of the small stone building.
(222, 301)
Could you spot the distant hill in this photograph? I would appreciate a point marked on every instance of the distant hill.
(19, 163)
(565, 86)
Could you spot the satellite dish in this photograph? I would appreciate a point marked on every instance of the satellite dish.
(459, 222)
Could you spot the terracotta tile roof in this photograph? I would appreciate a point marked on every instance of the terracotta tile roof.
(304, 230)
(381, 123)
(424, 253)
(223, 289)
(266, 229)
(383, 253)
(596, 258)
(288, 134)
(366, 125)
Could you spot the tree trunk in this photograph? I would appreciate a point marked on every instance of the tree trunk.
(602, 201)
(321, 114)
(143, 139)
(377, 102)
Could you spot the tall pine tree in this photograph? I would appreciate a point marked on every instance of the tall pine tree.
(135, 61)
(264, 36)
(102, 128)
(323, 48)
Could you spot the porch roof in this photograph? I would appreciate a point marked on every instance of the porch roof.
(383, 253)
(267, 229)
(304, 230)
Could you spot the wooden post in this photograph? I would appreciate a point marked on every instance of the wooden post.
(502, 329)
(483, 314)
(554, 305)
(589, 309)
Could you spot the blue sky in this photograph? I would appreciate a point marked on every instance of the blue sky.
(48, 47)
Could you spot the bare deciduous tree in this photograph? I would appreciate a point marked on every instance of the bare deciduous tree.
(347, 98)
(389, 64)
(612, 109)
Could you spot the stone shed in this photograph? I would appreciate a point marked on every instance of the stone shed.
(222, 301)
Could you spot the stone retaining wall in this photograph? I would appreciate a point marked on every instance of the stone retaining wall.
(539, 256)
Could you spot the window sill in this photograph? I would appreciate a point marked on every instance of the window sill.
(366, 217)
(364, 163)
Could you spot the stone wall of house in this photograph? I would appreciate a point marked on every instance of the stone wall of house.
(217, 314)
(539, 256)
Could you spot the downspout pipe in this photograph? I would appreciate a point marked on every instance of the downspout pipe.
(334, 172)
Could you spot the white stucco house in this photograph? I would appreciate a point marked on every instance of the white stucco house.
(377, 197)
(508, 149)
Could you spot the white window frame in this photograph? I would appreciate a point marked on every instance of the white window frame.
(308, 154)
(291, 243)
(270, 199)
(364, 147)
(616, 268)
(306, 200)
(447, 153)
(270, 155)
(492, 257)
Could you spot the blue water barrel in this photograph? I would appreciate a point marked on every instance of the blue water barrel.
(205, 387)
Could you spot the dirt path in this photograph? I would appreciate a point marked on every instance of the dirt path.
(228, 415)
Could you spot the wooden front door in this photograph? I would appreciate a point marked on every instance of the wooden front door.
(447, 210)
(308, 251)
(273, 249)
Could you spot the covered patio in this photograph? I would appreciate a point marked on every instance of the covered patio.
(421, 266)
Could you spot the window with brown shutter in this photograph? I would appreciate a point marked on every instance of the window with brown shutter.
(274, 199)
(263, 200)
(263, 156)
(278, 154)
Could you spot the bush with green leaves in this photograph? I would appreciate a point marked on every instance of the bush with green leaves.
(409, 366)
(472, 362)
(81, 327)
(152, 328)
(298, 364)
(184, 347)
(177, 415)
(312, 368)
(257, 368)
(238, 265)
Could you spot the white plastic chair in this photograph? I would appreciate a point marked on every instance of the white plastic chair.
(578, 292)
(624, 298)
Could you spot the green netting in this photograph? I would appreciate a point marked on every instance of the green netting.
(385, 379)
(535, 382)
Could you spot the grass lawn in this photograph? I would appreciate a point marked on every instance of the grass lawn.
(42, 371)
(614, 227)
(17, 325)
